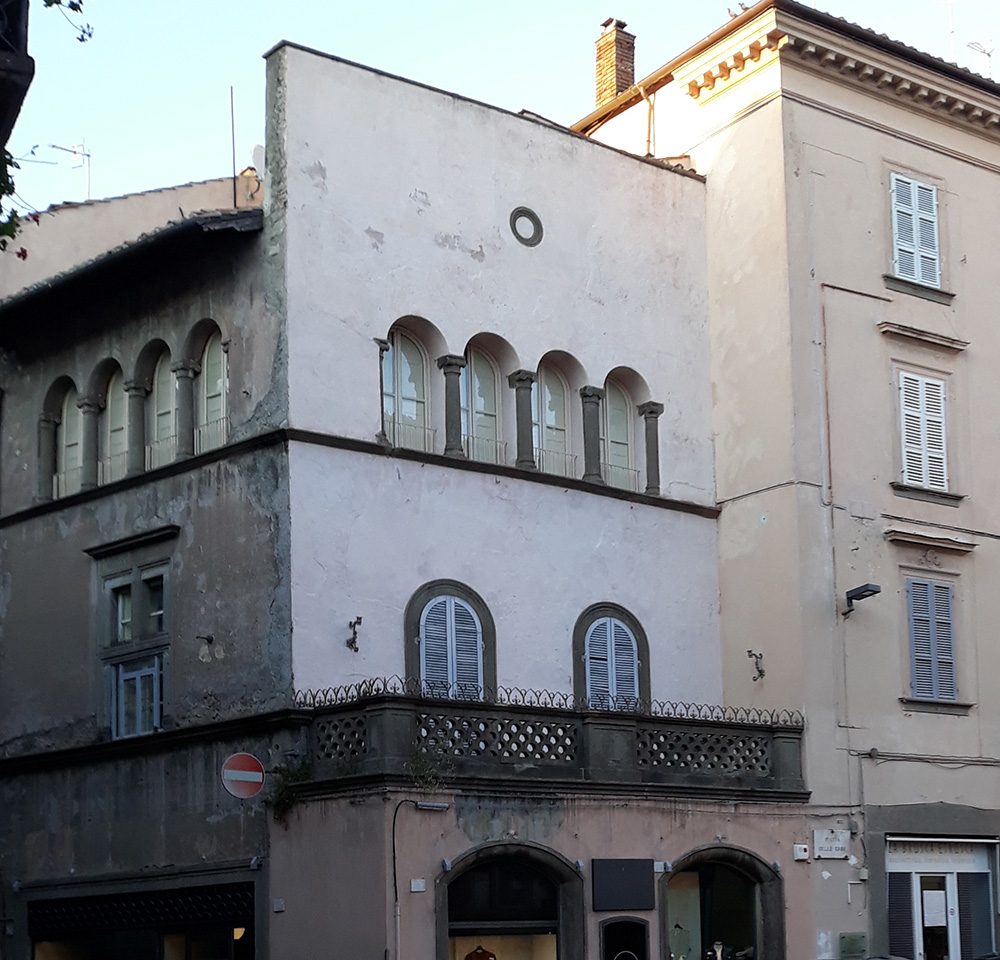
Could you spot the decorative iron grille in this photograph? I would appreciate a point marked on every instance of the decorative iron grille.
(527, 739)
(701, 751)
(343, 739)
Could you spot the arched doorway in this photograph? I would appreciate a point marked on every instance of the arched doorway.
(724, 895)
(515, 901)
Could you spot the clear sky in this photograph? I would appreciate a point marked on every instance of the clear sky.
(149, 94)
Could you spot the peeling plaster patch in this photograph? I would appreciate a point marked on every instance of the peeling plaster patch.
(826, 874)
(478, 255)
(824, 945)
(447, 241)
(377, 238)
(421, 200)
(483, 819)
(317, 171)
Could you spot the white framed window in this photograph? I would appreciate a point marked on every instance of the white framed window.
(549, 422)
(161, 434)
(121, 608)
(212, 397)
(69, 453)
(616, 438)
(916, 250)
(479, 384)
(404, 393)
(112, 458)
(612, 662)
(451, 650)
(930, 615)
(136, 696)
(923, 431)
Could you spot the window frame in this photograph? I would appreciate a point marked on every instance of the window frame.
(924, 239)
(539, 430)
(412, 621)
(211, 434)
(69, 412)
(390, 421)
(161, 450)
(581, 631)
(112, 466)
(632, 474)
(467, 379)
(937, 646)
(917, 452)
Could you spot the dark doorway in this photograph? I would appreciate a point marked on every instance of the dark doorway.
(624, 939)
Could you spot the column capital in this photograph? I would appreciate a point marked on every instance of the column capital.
(451, 363)
(90, 403)
(382, 344)
(186, 368)
(650, 410)
(521, 378)
(137, 388)
(592, 394)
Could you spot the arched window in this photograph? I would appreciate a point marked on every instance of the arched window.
(610, 659)
(211, 397)
(161, 437)
(549, 419)
(616, 438)
(451, 650)
(112, 435)
(69, 453)
(451, 647)
(404, 393)
(479, 384)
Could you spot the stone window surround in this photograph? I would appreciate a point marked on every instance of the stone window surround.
(595, 612)
(411, 629)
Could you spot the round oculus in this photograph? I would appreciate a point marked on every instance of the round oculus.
(526, 226)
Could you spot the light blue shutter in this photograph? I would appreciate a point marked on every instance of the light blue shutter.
(932, 642)
(945, 641)
(625, 666)
(434, 648)
(598, 665)
(468, 647)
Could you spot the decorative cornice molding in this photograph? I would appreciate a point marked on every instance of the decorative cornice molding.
(915, 538)
(924, 336)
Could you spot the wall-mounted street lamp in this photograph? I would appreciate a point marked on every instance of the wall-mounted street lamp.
(863, 592)
(434, 805)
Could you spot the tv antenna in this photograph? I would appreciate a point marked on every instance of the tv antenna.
(78, 151)
(950, 4)
(986, 52)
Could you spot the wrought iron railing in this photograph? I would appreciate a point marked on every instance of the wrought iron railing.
(403, 433)
(384, 726)
(112, 468)
(161, 452)
(617, 476)
(550, 461)
(211, 436)
(485, 450)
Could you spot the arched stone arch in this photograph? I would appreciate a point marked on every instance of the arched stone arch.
(424, 331)
(198, 336)
(490, 435)
(145, 364)
(97, 384)
(551, 864)
(599, 611)
(54, 396)
(766, 881)
(634, 383)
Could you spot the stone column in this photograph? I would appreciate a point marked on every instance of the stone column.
(650, 412)
(90, 408)
(46, 457)
(521, 381)
(452, 366)
(592, 397)
(184, 373)
(136, 391)
(383, 349)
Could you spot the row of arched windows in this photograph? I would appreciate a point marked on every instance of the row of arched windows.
(454, 637)
(473, 399)
(169, 409)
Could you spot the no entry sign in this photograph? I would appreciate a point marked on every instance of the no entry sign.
(243, 775)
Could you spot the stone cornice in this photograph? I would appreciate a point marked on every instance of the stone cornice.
(879, 74)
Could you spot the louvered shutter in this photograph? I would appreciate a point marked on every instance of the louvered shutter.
(974, 924)
(468, 647)
(903, 228)
(923, 432)
(916, 252)
(598, 665)
(928, 257)
(625, 667)
(944, 642)
(900, 914)
(434, 648)
(921, 652)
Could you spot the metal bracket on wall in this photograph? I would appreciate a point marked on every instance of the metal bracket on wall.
(757, 658)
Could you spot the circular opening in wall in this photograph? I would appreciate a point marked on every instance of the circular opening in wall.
(526, 226)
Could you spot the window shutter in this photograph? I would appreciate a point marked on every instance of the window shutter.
(944, 647)
(900, 910)
(903, 229)
(434, 648)
(974, 906)
(468, 651)
(921, 653)
(598, 665)
(626, 666)
(929, 262)
(923, 431)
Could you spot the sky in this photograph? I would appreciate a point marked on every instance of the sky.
(148, 95)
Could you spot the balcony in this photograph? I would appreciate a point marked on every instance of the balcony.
(384, 728)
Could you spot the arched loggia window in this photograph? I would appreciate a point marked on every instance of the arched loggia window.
(112, 434)
(404, 393)
(69, 452)
(480, 390)
(211, 397)
(617, 467)
(161, 435)
(550, 422)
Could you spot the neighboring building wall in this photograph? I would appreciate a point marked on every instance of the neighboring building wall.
(69, 234)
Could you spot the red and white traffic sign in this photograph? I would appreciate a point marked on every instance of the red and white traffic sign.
(243, 775)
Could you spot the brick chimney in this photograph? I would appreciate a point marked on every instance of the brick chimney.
(615, 60)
